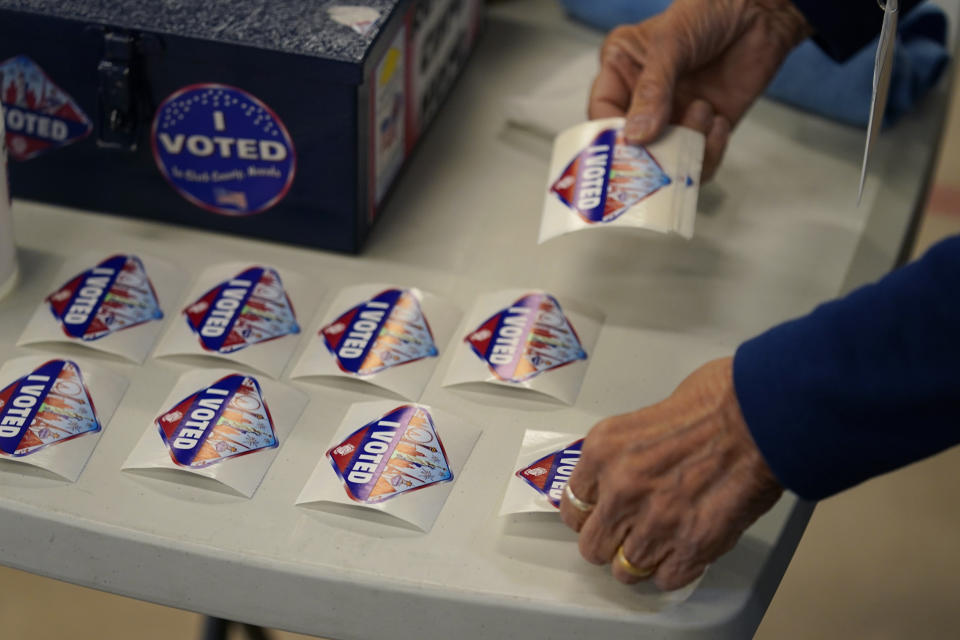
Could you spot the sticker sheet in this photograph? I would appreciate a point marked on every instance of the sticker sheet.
(401, 459)
(113, 303)
(597, 180)
(221, 425)
(544, 464)
(240, 312)
(386, 335)
(526, 340)
(54, 410)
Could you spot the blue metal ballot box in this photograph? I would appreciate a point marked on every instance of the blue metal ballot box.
(279, 120)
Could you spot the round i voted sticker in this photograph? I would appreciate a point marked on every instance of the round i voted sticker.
(223, 149)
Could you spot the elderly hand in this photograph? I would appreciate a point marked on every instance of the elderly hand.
(674, 484)
(700, 63)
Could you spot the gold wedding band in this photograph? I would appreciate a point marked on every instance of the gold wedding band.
(577, 503)
(629, 568)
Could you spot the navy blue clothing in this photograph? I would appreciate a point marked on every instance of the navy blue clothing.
(842, 28)
(861, 385)
(867, 383)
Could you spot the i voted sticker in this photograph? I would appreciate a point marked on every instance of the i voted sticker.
(39, 115)
(225, 420)
(114, 295)
(47, 406)
(549, 475)
(529, 337)
(249, 308)
(395, 454)
(385, 331)
(608, 177)
(223, 149)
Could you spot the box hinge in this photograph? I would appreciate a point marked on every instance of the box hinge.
(119, 125)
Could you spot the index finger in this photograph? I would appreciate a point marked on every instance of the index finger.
(609, 96)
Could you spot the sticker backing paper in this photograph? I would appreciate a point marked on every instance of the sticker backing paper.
(245, 313)
(54, 410)
(114, 303)
(526, 340)
(543, 466)
(220, 424)
(401, 459)
(382, 334)
(597, 180)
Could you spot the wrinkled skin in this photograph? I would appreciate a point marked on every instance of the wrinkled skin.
(676, 483)
(701, 63)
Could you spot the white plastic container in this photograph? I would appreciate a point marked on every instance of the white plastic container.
(8, 252)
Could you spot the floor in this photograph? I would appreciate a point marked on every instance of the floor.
(878, 562)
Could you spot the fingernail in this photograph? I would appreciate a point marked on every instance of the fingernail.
(638, 127)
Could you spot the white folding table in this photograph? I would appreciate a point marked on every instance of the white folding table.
(778, 232)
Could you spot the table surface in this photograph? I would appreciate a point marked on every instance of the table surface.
(778, 232)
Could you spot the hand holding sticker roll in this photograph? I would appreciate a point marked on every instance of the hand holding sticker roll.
(701, 64)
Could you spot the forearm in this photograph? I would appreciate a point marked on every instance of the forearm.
(843, 28)
(862, 385)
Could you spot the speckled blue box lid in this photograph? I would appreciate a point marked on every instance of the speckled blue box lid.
(305, 27)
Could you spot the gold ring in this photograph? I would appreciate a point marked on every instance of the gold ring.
(629, 568)
(577, 503)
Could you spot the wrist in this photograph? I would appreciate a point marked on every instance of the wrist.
(783, 20)
(737, 429)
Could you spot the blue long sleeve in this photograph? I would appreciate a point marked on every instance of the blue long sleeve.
(863, 384)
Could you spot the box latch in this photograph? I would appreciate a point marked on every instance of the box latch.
(118, 106)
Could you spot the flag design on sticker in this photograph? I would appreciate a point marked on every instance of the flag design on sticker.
(395, 454)
(40, 116)
(385, 331)
(227, 419)
(608, 177)
(549, 475)
(114, 295)
(48, 406)
(527, 338)
(249, 308)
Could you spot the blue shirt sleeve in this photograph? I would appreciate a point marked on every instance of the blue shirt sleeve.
(842, 28)
(862, 385)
